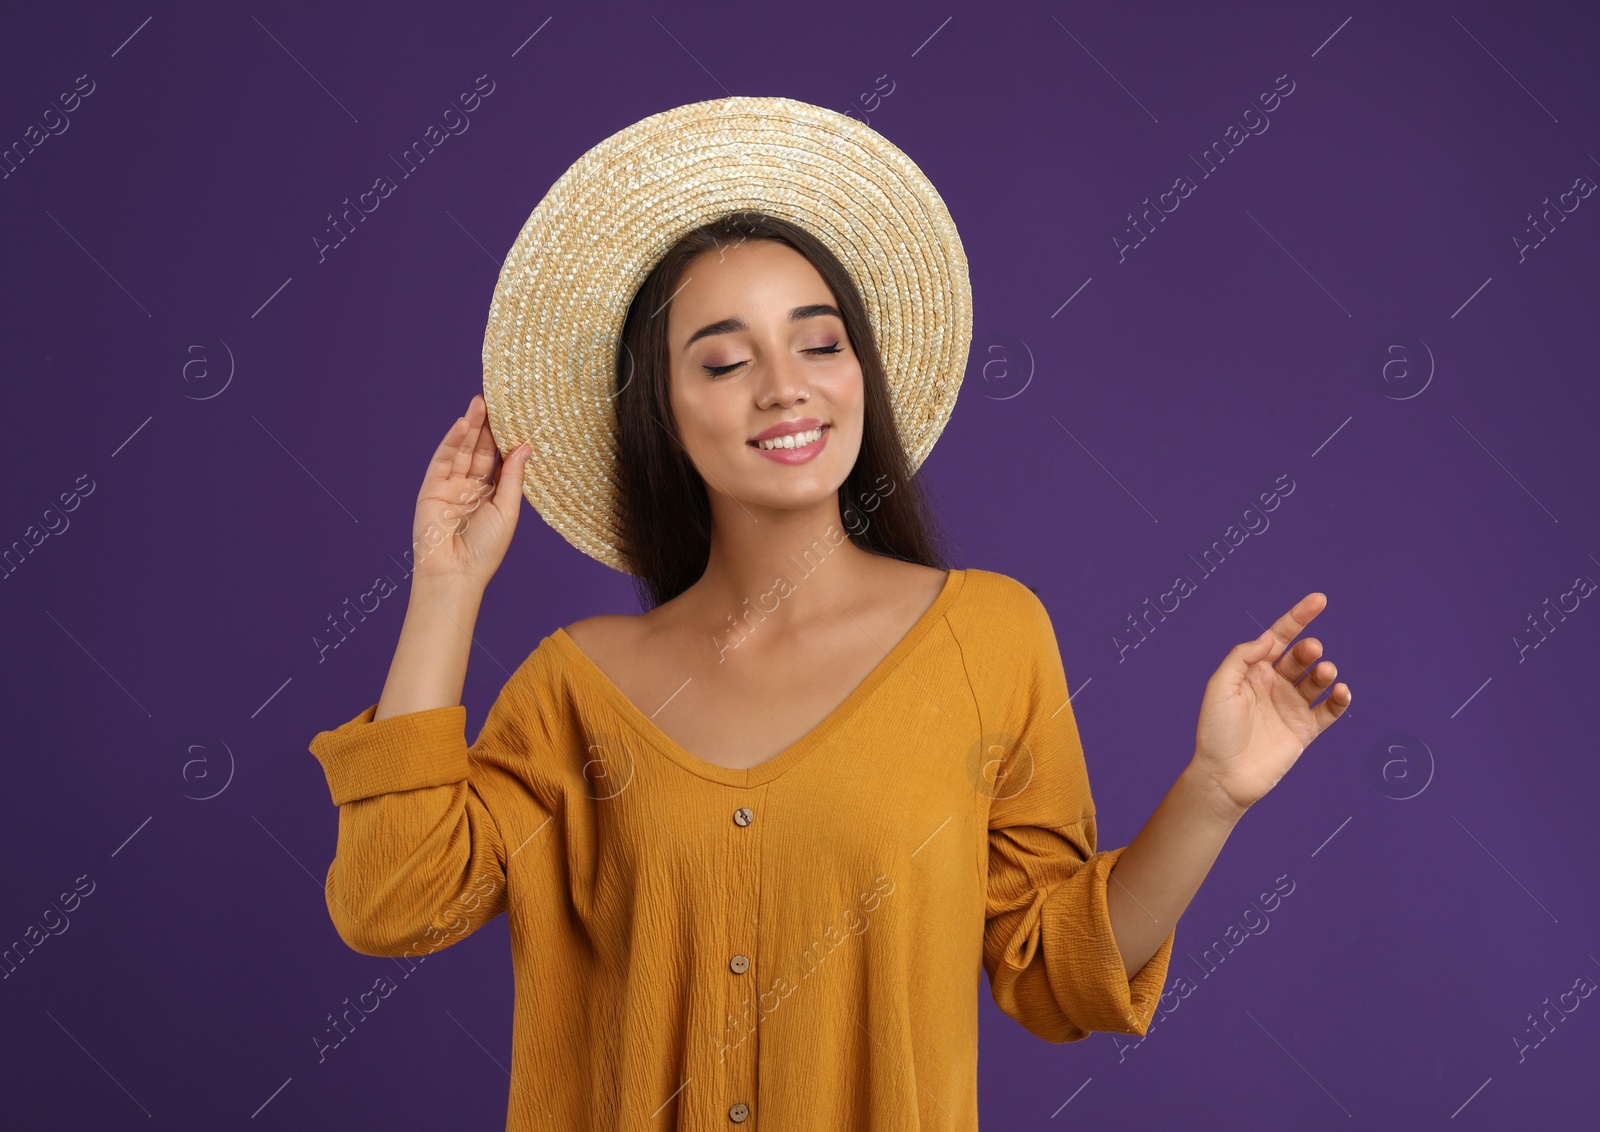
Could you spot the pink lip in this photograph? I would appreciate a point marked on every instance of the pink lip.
(784, 428)
(796, 455)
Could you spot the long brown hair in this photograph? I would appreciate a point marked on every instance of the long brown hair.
(665, 514)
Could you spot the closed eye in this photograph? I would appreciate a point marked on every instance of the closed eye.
(718, 371)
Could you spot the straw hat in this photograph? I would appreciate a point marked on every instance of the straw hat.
(549, 350)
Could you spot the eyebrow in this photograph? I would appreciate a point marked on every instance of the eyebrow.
(729, 325)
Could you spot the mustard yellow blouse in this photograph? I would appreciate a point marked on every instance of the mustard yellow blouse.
(790, 947)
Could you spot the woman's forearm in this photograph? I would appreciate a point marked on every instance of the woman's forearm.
(1161, 869)
(429, 668)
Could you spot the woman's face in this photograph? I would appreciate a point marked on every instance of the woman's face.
(756, 345)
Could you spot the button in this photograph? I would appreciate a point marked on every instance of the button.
(739, 964)
(743, 816)
(739, 1113)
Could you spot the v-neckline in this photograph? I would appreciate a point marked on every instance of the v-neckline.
(769, 768)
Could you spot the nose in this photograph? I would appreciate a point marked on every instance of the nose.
(782, 381)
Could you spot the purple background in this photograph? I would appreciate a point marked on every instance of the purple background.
(163, 670)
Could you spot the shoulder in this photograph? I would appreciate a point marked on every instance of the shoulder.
(1007, 641)
(606, 635)
(1002, 629)
(543, 672)
(994, 604)
(911, 582)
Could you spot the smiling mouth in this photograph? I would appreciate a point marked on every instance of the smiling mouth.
(790, 440)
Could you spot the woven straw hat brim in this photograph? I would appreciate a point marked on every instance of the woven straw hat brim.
(549, 349)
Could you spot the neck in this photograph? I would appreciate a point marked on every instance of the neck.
(777, 567)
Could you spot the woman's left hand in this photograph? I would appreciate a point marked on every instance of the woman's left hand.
(1255, 720)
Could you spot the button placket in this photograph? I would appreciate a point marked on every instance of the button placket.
(744, 884)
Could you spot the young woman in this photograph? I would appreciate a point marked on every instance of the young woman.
(756, 842)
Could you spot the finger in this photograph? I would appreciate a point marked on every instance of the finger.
(1298, 657)
(1317, 680)
(464, 454)
(1331, 708)
(442, 463)
(1293, 623)
(508, 491)
(483, 455)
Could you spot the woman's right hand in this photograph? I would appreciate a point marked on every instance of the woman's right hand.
(465, 513)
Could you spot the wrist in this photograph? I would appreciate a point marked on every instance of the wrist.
(1208, 795)
(453, 591)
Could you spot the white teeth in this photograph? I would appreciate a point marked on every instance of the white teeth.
(792, 440)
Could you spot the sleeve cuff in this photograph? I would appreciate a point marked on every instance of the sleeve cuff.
(366, 757)
(1095, 990)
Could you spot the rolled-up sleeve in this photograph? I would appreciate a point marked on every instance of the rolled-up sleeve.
(1049, 949)
(425, 821)
(1052, 959)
